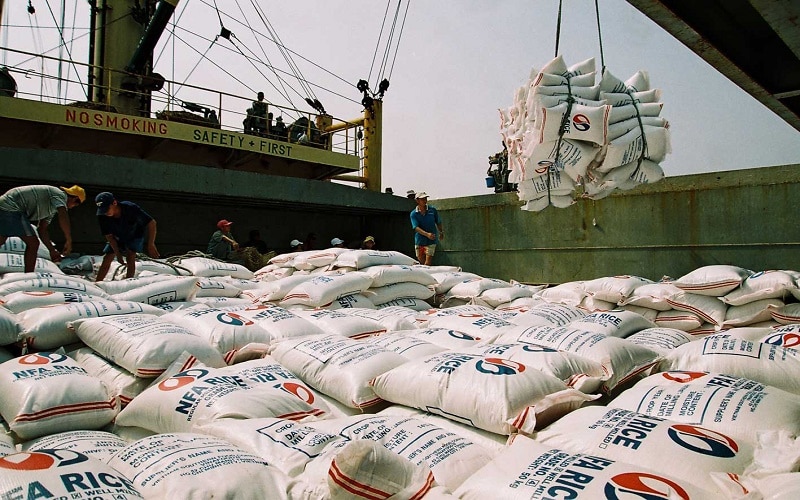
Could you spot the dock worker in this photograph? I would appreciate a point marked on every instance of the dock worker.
(128, 230)
(21, 207)
(427, 226)
(337, 243)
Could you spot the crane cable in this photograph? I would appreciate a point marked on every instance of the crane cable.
(390, 40)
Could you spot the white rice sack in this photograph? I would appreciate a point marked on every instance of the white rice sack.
(279, 322)
(227, 331)
(160, 267)
(142, 343)
(359, 259)
(122, 383)
(547, 314)
(786, 336)
(15, 245)
(622, 360)
(171, 290)
(584, 123)
(484, 326)
(18, 302)
(7, 446)
(408, 347)
(284, 444)
(276, 274)
(710, 309)
(128, 284)
(769, 364)
(451, 458)
(100, 445)
(284, 259)
(275, 290)
(757, 333)
(576, 371)
(389, 274)
(318, 258)
(593, 305)
(570, 293)
(201, 266)
(787, 314)
(222, 302)
(394, 291)
(474, 287)
(438, 269)
(267, 371)
(14, 263)
(62, 474)
(448, 279)
(339, 323)
(738, 407)
(661, 340)
(444, 337)
(183, 465)
(652, 296)
(529, 469)
(60, 284)
(784, 486)
(356, 300)
(48, 327)
(622, 435)
(615, 323)
(763, 285)
(207, 287)
(649, 314)
(322, 290)
(714, 281)
(751, 313)
(361, 469)
(490, 393)
(9, 327)
(11, 277)
(45, 393)
(496, 296)
(391, 318)
(197, 396)
(410, 303)
(337, 366)
(679, 320)
(614, 288)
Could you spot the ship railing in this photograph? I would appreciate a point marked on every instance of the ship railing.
(179, 101)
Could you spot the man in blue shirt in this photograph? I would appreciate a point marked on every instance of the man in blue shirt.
(125, 226)
(427, 228)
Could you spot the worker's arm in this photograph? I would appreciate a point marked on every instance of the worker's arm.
(233, 242)
(152, 251)
(112, 242)
(45, 237)
(441, 230)
(63, 223)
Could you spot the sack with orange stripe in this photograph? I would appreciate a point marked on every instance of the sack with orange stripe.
(45, 393)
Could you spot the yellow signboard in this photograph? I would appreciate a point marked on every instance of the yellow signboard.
(55, 114)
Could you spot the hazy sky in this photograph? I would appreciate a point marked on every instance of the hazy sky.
(457, 63)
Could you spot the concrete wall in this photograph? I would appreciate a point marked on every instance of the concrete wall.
(745, 217)
(187, 201)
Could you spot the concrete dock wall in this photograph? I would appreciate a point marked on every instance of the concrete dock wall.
(745, 217)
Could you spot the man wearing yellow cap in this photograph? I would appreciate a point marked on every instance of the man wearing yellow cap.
(22, 207)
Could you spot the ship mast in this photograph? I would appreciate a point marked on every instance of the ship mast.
(122, 51)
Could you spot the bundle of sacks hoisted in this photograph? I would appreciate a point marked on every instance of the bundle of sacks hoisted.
(354, 373)
(566, 132)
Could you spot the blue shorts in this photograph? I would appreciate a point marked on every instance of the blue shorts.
(134, 245)
(15, 224)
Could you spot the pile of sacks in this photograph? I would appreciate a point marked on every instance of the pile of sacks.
(355, 373)
(570, 137)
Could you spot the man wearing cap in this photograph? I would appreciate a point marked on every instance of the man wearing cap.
(22, 206)
(427, 228)
(222, 245)
(368, 243)
(126, 227)
(337, 243)
(296, 245)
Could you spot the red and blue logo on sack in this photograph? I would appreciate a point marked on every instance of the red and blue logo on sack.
(643, 485)
(499, 366)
